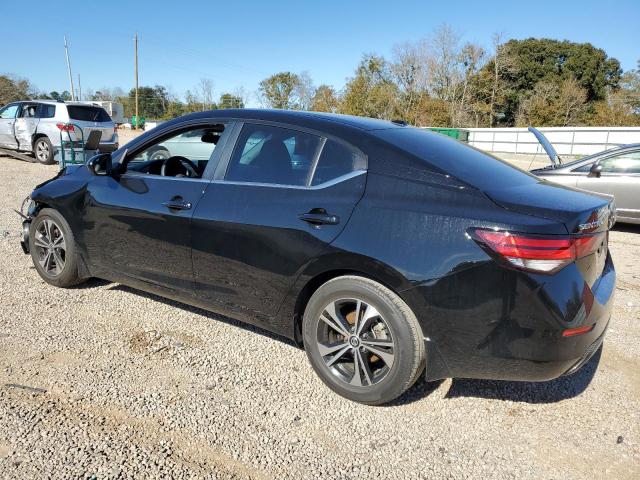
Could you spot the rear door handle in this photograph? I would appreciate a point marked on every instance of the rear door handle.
(177, 203)
(316, 218)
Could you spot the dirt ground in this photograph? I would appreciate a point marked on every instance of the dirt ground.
(104, 381)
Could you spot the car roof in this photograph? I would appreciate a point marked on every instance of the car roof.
(297, 117)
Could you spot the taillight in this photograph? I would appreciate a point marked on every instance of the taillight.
(538, 253)
(65, 127)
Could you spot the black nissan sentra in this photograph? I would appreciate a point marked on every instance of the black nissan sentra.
(386, 251)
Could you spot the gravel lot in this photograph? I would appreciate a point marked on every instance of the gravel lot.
(103, 381)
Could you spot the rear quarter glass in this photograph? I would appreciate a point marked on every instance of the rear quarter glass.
(466, 163)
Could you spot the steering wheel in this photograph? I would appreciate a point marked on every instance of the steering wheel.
(178, 166)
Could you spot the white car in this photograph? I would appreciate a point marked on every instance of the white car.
(36, 126)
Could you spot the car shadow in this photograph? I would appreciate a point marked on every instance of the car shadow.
(626, 228)
(551, 391)
(204, 313)
(90, 283)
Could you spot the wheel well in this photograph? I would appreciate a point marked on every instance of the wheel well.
(36, 137)
(309, 289)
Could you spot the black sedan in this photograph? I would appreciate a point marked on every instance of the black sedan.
(387, 251)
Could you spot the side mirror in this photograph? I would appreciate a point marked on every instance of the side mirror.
(595, 170)
(101, 164)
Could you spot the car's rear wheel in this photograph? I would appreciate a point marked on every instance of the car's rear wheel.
(43, 151)
(53, 249)
(363, 340)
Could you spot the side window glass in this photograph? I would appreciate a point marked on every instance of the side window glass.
(28, 111)
(265, 154)
(185, 154)
(9, 111)
(625, 163)
(584, 168)
(337, 159)
(46, 111)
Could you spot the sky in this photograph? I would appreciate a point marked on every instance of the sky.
(237, 44)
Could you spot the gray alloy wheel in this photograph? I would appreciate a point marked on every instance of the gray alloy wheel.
(53, 249)
(43, 151)
(362, 339)
(355, 342)
(50, 246)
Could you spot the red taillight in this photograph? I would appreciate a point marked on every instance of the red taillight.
(545, 254)
(65, 127)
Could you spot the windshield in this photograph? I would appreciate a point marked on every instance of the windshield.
(466, 163)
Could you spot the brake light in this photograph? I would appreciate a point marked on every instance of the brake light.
(539, 253)
(65, 127)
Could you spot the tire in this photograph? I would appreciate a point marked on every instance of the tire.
(57, 265)
(391, 326)
(43, 151)
(159, 153)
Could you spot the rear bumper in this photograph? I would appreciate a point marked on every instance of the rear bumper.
(511, 328)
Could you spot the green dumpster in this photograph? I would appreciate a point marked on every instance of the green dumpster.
(457, 133)
(137, 122)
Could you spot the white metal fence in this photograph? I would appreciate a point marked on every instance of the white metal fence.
(566, 140)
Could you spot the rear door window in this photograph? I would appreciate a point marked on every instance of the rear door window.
(46, 111)
(275, 155)
(88, 113)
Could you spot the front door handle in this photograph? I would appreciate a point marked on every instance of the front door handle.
(317, 217)
(177, 203)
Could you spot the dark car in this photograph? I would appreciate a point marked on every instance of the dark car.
(385, 250)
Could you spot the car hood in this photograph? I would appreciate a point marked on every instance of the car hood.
(575, 209)
(546, 144)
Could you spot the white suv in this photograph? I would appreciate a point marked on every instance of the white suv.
(35, 127)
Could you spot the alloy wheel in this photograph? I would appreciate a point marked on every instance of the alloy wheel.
(355, 342)
(42, 151)
(50, 246)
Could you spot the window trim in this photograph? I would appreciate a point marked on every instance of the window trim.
(329, 183)
(221, 171)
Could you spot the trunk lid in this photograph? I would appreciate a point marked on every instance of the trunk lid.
(580, 212)
(556, 161)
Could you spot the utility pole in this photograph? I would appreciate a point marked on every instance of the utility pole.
(66, 52)
(79, 89)
(136, 55)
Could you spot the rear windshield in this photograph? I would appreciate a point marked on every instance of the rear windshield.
(465, 163)
(88, 114)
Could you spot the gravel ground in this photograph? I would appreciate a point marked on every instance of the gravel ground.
(103, 381)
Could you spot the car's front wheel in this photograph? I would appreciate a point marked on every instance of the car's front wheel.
(363, 340)
(53, 249)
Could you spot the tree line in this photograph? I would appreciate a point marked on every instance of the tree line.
(437, 81)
